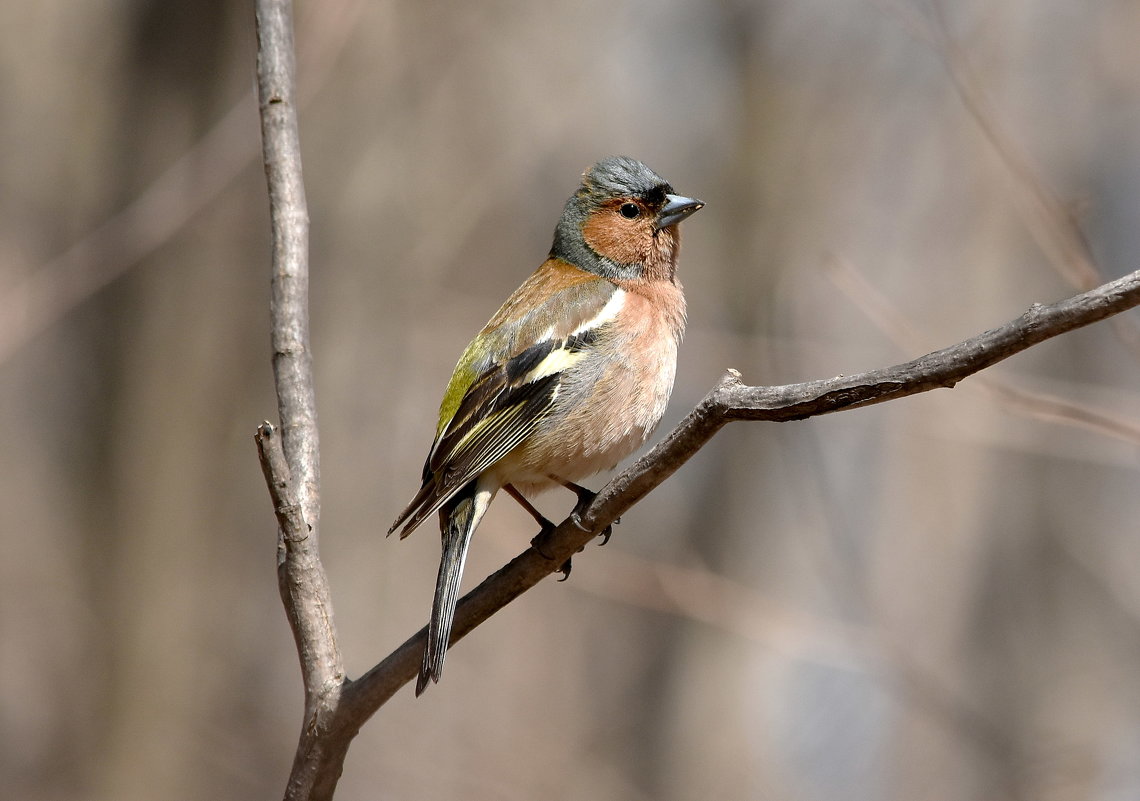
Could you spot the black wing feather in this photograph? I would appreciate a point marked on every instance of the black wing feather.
(498, 411)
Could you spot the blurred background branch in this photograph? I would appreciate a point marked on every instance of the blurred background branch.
(1053, 224)
(193, 181)
(905, 334)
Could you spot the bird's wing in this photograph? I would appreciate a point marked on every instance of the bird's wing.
(510, 396)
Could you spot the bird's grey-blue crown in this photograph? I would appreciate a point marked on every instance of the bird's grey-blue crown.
(621, 176)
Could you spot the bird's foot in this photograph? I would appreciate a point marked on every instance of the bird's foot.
(536, 543)
(605, 533)
(585, 498)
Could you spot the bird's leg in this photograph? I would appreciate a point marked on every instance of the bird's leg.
(585, 498)
(545, 527)
(545, 524)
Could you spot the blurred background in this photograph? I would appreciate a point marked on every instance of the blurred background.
(937, 598)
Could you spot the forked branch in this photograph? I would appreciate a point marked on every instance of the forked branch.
(335, 707)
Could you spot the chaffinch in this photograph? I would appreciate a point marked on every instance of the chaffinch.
(570, 376)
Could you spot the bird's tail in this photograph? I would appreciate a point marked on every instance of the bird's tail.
(458, 519)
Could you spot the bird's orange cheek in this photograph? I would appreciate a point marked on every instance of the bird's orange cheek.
(617, 239)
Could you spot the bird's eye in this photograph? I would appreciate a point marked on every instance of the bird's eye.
(629, 210)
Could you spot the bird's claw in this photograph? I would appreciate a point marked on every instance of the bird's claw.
(536, 543)
(585, 498)
(607, 532)
(567, 566)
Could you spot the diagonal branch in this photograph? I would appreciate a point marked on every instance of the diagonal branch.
(729, 401)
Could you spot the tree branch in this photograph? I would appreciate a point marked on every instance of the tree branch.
(729, 401)
(336, 708)
(291, 461)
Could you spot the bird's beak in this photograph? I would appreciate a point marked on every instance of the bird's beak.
(676, 208)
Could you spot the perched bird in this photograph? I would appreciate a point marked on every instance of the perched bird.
(569, 377)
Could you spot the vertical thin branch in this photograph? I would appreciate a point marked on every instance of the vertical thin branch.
(291, 460)
(289, 214)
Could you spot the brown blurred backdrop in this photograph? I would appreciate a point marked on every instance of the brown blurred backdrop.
(935, 599)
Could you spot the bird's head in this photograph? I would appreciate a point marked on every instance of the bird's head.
(622, 223)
